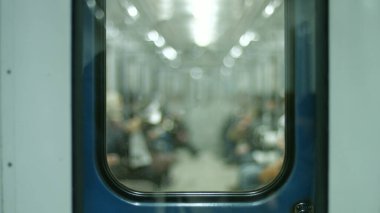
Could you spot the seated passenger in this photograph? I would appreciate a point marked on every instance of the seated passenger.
(117, 147)
(128, 156)
(264, 169)
(180, 135)
(239, 139)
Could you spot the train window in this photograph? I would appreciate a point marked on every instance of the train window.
(195, 94)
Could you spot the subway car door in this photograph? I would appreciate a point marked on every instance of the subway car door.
(200, 106)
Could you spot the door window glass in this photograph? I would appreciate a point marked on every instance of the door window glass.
(195, 94)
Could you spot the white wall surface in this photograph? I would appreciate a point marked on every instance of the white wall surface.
(354, 106)
(35, 114)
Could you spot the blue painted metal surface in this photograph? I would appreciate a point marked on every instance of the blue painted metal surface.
(98, 197)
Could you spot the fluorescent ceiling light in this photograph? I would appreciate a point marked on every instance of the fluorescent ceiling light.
(160, 42)
(155, 37)
(166, 9)
(204, 22)
(152, 35)
(91, 3)
(271, 7)
(169, 53)
(268, 11)
(247, 38)
(132, 11)
(236, 51)
(99, 14)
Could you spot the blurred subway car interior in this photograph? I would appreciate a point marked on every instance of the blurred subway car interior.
(195, 93)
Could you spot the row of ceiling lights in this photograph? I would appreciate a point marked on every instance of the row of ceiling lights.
(159, 41)
(237, 50)
(152, 36)
(201, 15)
(248, 37)
(199, 10)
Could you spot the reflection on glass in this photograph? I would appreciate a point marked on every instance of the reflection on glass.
(195, 94)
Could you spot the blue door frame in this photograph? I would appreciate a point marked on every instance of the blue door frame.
(306, 92)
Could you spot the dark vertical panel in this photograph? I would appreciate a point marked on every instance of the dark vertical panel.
(322, 125)
(77, 105)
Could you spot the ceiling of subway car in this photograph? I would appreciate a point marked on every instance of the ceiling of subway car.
(198, 33)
